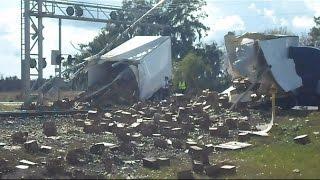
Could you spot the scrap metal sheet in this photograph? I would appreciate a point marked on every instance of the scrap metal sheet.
(283, 69)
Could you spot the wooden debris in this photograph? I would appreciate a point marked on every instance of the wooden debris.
(45, 149)
(233, 145)
(186, 174)
(212, 170)
(228, 170)
(151, 163)
(49, 128)
(243, 137)
(19, 137)
(197, 166)
(163, 161)
(23, 167)
(31, 146)
(302, 139)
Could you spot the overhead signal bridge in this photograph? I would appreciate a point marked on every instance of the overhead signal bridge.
(32, 14)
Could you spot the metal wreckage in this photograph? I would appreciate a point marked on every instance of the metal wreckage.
(261, 66)
(264, 60)
(139, 68)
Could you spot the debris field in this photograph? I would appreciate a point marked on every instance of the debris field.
(118, 142)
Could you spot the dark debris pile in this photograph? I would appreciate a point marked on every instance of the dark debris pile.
(123, 139)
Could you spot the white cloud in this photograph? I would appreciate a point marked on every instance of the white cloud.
(283, 22)
(313, 5)
(269, 13)
(253, 7)
(233, 22)
(303, 22)
(222, 25)
(10, 41)
(10, 25)
(69, 33)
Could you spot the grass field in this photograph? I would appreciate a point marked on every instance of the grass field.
(273, 157)
(277, 156)
(15, 96)
(10, 96)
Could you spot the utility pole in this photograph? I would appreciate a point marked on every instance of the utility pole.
(60, 50)
(40, 42)
(56, 9)
(25, 61)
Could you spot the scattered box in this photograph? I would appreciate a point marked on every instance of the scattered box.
(187, 174)
(233, 145)
(243, 137)
(151, 163)
(163, 161)
(302, 139)
(228, 170)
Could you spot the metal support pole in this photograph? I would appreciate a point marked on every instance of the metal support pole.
(40, 42)
(60, 46)
(273, 91)
(60, 53)
(25, 62)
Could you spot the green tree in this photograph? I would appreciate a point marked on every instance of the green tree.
(202, 69)
(211, 56)
(305, 40)
(315, 31)
(192, 70)
(179, 19)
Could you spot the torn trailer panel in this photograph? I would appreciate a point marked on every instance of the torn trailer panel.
(147, 60)
(293, 68)
(251, 53)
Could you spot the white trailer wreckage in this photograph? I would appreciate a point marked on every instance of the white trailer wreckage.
(265, 60)
(269, 62)
(139, 68)
(261, 59)
(146, 60)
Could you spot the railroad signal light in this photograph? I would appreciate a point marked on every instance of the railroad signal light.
(79, 10)
(44, 63)
(70, 59)
(33, 63)
(59, 59)
(70, 11)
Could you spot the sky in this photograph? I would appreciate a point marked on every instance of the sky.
(223, 16)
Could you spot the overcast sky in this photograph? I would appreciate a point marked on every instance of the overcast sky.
(223, 16)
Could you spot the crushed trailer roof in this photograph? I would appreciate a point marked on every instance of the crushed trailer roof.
(134, 49)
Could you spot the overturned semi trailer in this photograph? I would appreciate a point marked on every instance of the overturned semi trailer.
(275, 59)
(133, 71)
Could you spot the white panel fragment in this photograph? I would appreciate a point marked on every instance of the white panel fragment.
(283, 69)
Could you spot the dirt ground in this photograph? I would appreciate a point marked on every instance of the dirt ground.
(276, 156)
(16, 96)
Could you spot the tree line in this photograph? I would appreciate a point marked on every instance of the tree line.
(11, 83)
(196, 63)
(199, 64)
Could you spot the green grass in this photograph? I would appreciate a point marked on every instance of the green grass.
(8, 107)
(278, 161)
(273, 157)
(277, 156)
